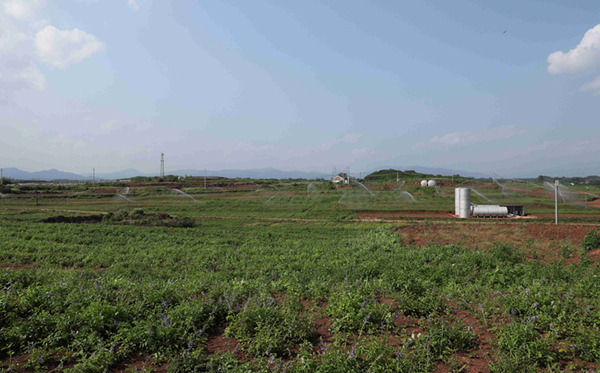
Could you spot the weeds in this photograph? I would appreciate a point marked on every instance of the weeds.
(591, 241)
(100, 295)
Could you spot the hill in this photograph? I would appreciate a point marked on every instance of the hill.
(392, 174)
(53, 174)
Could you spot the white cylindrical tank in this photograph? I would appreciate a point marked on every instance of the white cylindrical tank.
(464, 203)
(431, 183)
(490, 210)
(456, 200)
(423, 183)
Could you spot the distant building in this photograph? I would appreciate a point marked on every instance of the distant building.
(338, 179)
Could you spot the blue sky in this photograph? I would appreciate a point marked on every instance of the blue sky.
(300, 85)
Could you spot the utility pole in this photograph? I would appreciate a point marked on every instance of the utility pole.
(556, 200)
(205, 178)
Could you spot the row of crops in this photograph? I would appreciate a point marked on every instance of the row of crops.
(287, 297)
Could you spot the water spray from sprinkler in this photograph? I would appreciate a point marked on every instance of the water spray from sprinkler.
(274, 195)
(409, 195)
(183, 194)
(122, 196)
(364, 187)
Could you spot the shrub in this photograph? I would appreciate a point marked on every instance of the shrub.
(443, 340)
(566, 251)
(506, 253)
(354, 312)
(421, 305)
(522, 343)
(137, 213)
(268, 327)
(591, 241)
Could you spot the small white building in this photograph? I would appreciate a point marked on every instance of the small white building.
(338, 179)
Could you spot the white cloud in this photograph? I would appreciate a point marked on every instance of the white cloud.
(584, 56)
(61, 49)
(22, 47)
(363, 151)
(10, 37)
(593, 87)
(111, 124)
(21, 9)
(31, 76)
(88, 119)
(65, 141)
(468, 137)
(18, 70)
(133, 4)
(351, 138)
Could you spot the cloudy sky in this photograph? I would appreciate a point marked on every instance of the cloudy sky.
(300, 85)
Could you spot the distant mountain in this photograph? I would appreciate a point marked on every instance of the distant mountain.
(53, 174)
(258, 173)
(263, 173)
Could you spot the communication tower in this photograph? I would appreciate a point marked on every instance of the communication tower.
(162, 165)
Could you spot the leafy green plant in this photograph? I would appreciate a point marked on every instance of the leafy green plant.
(428, 304)
(524, 344)
(566, 250)
(358, 312)
(442, 340)
(591, 240)
(268, 327)
(506, 253)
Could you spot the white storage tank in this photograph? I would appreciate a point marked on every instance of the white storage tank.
(456, 200)
(464, 203)
(431, 183)
(490, 210)
(423, 183)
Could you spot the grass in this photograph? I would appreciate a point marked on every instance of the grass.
(250, 287)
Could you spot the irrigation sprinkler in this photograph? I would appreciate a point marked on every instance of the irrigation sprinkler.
(556, 200)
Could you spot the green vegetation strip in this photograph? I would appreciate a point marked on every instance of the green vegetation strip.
(291, 297)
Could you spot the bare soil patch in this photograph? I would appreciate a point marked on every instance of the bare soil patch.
(139, 363)
(543, 237)
(16, 267)
(218, 343)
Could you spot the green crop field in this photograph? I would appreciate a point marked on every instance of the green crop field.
(294, 277)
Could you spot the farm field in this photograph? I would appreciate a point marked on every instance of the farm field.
(260, 276)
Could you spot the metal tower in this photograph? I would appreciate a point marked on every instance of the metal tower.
(162, 165)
